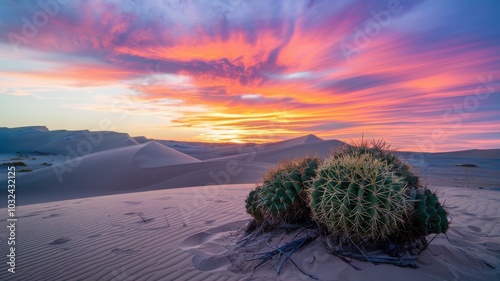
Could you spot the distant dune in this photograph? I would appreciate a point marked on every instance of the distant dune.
(286, 150)
(271, 152)
(118, 164)
(125, 166)
(40, 139)
(106, 172)
(153, 155)
(473, 153)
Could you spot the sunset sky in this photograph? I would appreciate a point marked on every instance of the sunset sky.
(422, 74)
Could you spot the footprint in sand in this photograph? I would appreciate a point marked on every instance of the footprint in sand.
(59, 241)
(492, 246)
(209, 222)
(30, 215)
(145, 220)
(51, 216)
(474, 228)
(219, 201)
(132, 202)
(209, 254)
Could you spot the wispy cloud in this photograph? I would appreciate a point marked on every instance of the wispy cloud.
(247, 69)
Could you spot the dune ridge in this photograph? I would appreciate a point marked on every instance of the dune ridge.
(277, 153)
(153, 155)
(115, 171)
(152, 165)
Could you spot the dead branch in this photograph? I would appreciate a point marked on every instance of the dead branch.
(288, 249)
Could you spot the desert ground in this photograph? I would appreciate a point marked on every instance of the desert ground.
(106, 206)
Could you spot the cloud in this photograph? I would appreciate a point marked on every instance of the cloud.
(251, 96)
(250, 66)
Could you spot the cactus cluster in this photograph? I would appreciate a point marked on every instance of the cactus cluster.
(429, 215)
(282, 197)
(363, 193)
(360, 197)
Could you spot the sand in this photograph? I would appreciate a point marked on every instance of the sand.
(103, 238)
(129, 211)
(149, 166)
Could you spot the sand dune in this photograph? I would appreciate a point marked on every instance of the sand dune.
(308, 139)
(142, 167)
(473, 153)
(277, 153)
(39, 138)
(269, 152)
(153, 155)
(188, 235)
(242, 150)
(482, 169)
(151, 166)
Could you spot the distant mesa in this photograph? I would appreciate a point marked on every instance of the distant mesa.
(141, 139)
(23, 130)
(41, 140)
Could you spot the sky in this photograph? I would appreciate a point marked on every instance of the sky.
(424, 75)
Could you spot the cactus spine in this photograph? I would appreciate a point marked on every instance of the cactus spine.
(429, 215)
(363, 193)
(358, 196)
(282, 197)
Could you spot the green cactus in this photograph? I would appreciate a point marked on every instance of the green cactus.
(429, 215)
(252, 204)
(282, 197)
(380, 150)
(363, 193)
(360, 197)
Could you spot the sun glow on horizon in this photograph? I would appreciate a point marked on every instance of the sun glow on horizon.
(240, 72)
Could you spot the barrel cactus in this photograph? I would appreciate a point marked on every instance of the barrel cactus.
(429, 215)
(359, 196)
(381, 150)
(252, 204)
(282, 197)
